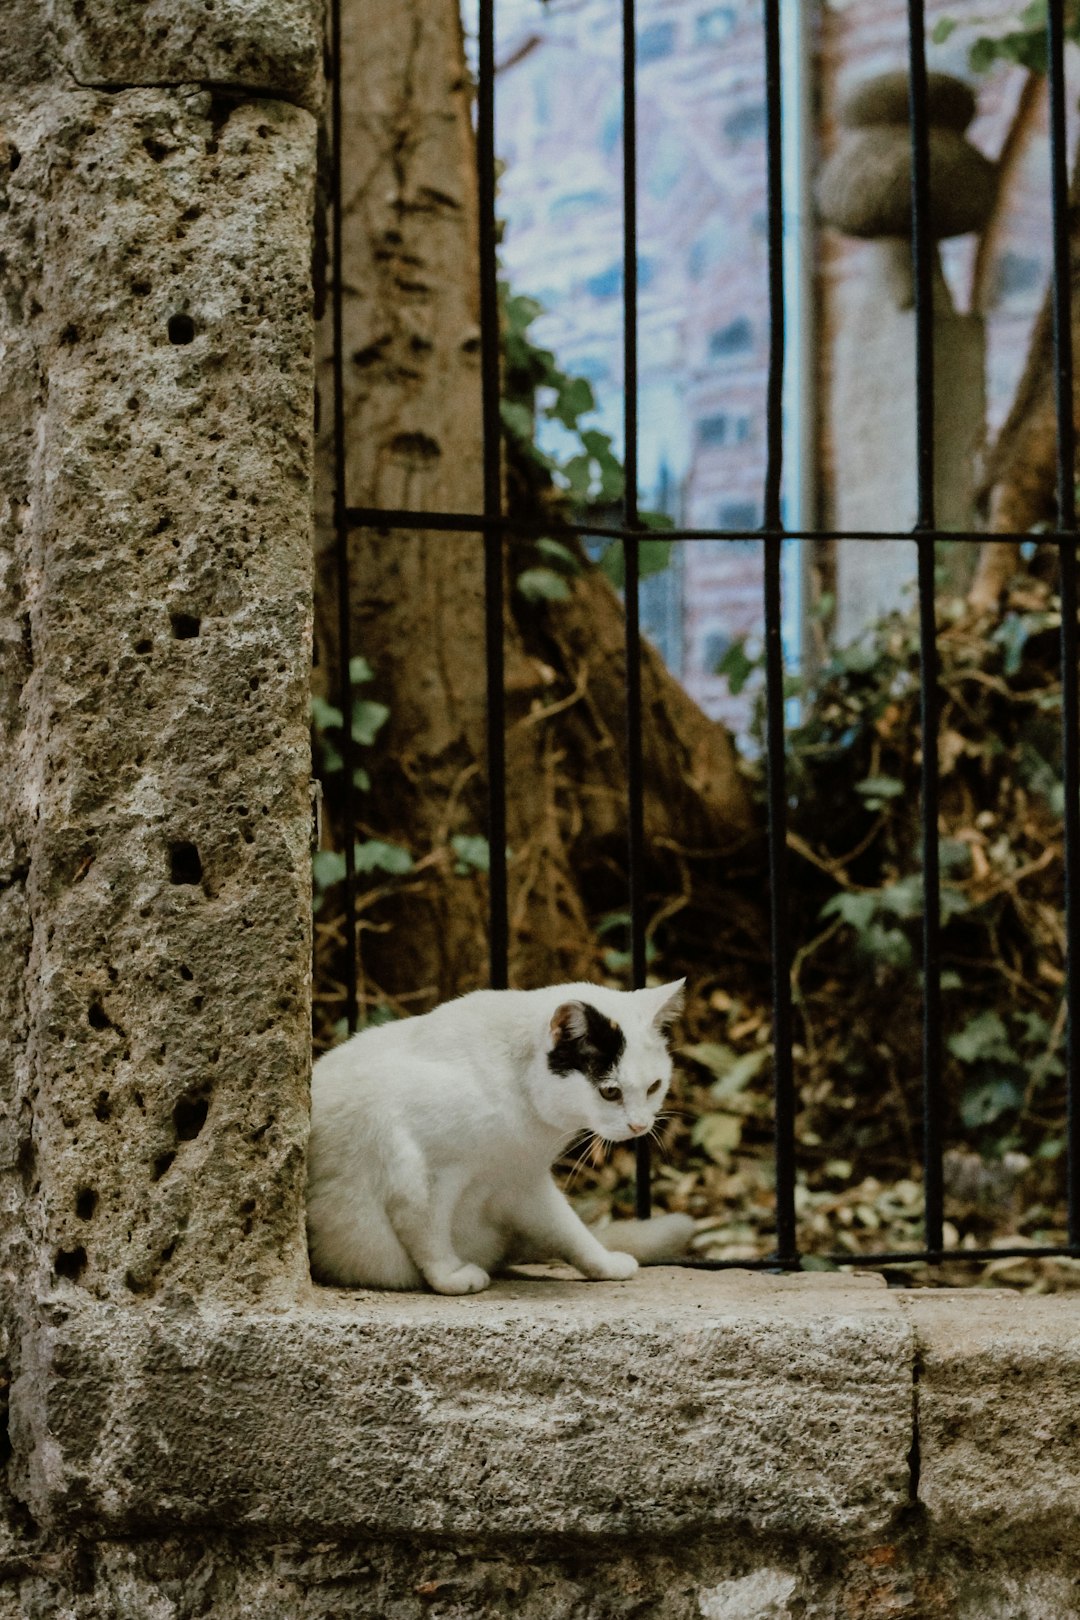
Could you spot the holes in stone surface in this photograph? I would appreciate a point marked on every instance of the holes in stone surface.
(185, 971)
(185, 626)
(69, 335)
(24, 1162)
(167, 1252)
(103, 1107)
(185, 865)
(140, 288)
(70, 1263)
(189, 1117)
(144, 646)
(162, 1163)
(181, 329)
(86, 1203)
(14, 158)
(162, 524)
(155, 149)
(97, 1017)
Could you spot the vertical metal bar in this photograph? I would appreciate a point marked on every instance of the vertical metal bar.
(494, 628)
(341, 526)
(1066, 500)
(635, 785)
(783, 1060)
(923, 253)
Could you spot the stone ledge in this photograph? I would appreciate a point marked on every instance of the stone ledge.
(999, 1413)
(673, 1403)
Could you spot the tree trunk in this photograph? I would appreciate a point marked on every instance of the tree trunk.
(1019, 490)
(412, 386)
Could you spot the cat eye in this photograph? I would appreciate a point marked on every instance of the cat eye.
(655, 1087)
(611, 1093)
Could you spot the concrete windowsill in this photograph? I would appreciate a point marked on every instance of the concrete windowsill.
(677, 1402)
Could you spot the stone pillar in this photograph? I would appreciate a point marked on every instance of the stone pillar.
(865, 190)
(155, 626)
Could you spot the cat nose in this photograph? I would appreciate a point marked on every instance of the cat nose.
(636, 1130)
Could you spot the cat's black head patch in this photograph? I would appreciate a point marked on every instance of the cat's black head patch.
(585, 1042)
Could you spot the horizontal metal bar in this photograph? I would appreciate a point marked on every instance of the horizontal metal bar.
(372, 517)
(907, 1257)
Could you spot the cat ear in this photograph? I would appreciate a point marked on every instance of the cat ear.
(569, 1022)
(668, 1002)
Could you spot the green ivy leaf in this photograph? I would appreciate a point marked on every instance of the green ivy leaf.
(473, 853)
(325, 715)
(374, 855)
(577, 473)
(737, 666)
(521, 311)
(542, 585)
(904, 898)
(327, 868)
(982, 1038)
(360, 671)
(982, 55)
(653, 556)
(984, 1103)
(857, 910)
(517, 420)
(574, 399)
(559, 555)
(368, 719)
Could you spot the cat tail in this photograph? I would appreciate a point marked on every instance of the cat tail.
(664, 1238)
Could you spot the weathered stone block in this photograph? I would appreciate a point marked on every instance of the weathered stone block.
(165, 241)
(669, 1404)
(999, 1414)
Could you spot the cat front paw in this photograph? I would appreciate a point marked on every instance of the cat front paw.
(463, 1279)
(614, 1267)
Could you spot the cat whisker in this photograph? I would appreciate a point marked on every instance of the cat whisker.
(661, 1145)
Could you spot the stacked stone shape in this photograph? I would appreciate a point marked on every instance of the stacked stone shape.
(865, 191)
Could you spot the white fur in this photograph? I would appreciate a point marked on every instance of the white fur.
(432, 1140)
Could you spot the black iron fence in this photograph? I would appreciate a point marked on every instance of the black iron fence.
(494, 525)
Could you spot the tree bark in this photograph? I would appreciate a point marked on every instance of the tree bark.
(1019, 489)
(413, 417)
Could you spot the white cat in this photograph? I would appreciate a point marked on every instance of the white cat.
(432, 1139)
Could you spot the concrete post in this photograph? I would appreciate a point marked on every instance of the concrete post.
(155, 608)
